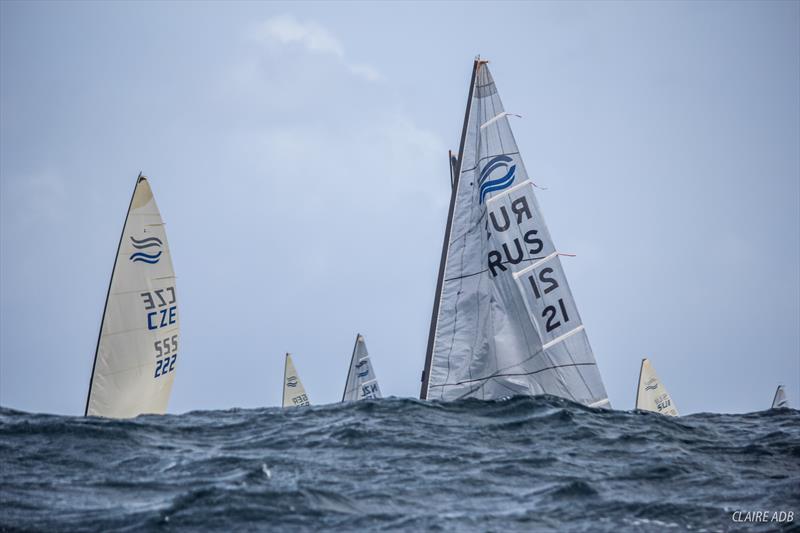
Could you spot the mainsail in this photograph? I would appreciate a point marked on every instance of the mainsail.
(294, 394)
(504, 321)
(651, 395)
(137, 350)
(780, 398)
(361, 383)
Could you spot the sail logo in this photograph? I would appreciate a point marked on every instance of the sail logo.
(291, 381)
(651, 385)
(365, 371)
(148, 250)
(487, 185)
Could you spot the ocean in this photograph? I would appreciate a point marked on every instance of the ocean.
(524, 464)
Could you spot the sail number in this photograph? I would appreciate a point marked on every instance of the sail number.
(162, 306)
(499, 222)
(166, 353)
(369, 391)
(549, 313)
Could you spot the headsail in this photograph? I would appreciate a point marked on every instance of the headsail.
(137, 348)
(361, 383)
(780, 398)
(294, 394)
(504, 321)
(651, 395)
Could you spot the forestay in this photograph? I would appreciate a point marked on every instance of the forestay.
(136, 356)
(651, 395)
(504, 320)
(294, 394)
(361, 383)
(780, 398)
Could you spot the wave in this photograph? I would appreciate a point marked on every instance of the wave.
(518, 464)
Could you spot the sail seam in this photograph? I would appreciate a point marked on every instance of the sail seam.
(554, 367)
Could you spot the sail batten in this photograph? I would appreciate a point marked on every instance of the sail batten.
(137, 347)
(361, 382)
(504, 320)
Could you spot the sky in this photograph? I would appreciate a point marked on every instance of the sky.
(298, 154)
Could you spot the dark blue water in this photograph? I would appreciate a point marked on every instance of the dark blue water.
(526, 464)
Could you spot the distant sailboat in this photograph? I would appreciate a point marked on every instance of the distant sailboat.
(504, 321)
(780, 398)
(294, 394)
(137, 349)
(651, 395)
(361, 383)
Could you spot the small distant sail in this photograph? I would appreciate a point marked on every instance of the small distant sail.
(294, 394)
(137, 350)
(361, 382)
(651, 394)
(780, 398)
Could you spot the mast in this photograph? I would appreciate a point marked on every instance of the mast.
(108, 293)
(350, 367)
(456, 173)
(283, 385)
(639, 384)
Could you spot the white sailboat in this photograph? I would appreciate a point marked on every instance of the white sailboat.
(137, 348)
(780, 398)
(651, 395)
(294, 394)
(504, 321)
(361, 383)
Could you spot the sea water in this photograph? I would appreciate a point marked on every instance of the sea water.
(525, 464)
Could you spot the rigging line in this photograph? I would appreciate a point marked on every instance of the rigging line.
(513, 374)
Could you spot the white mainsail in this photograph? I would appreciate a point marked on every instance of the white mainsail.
(137, 350)
(361, 383)
(780, 398)
(651, 395)
(294, 394)
(504, 321)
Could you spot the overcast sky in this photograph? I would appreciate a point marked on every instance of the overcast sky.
(298, 153)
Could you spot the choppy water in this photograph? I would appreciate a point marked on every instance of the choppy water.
(526, 464)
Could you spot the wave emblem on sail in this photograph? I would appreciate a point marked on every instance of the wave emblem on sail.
(651, 395)
(361, 383)
(137, 349)
(497, 184)
(148, 250)
(504, 319)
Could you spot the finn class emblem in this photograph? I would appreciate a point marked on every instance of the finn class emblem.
(148, 250)
(487, 185)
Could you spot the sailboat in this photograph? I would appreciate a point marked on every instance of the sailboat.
(651, 395)
(294, 394)
(504, 321)
(361, 383)
(137, 349)
(780, 398)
